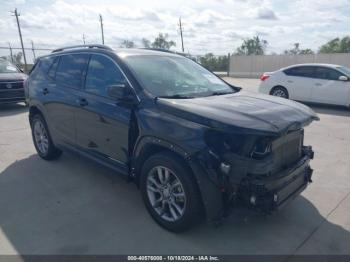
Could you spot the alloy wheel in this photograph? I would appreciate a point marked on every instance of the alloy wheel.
(166, 193)
(41, 137)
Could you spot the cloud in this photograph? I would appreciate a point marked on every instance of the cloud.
(216, 26)
(266, 13)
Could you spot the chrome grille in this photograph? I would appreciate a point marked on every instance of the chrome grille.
(10, 85)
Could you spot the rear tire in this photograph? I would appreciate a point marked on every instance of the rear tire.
(279, 91)
(170, 192)
(42, 139)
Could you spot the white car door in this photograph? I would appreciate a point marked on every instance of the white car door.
(299, 82)
(327, 88)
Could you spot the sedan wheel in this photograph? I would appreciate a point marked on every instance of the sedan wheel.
(279, 92)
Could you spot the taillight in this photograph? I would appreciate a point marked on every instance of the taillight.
(263, 77)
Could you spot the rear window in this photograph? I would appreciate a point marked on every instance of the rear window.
(301, 71)
(70, 70)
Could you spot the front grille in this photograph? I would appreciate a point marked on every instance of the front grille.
(288, 149)
(10, 85)
(5, 94)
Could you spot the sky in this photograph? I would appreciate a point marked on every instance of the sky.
(216, 26)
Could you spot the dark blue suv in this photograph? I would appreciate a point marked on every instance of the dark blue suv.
(195, 145)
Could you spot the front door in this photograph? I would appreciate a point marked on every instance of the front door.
(102, 124)
(327, 88)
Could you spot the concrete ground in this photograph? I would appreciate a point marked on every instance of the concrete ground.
(73, 206)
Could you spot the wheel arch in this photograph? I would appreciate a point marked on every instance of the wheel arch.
(210, 194)
(149, 146)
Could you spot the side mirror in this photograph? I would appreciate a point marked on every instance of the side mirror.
(121, 92)
(343, 78)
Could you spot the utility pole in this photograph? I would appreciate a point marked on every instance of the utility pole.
(11, 52)
(20, 36)
(182, 40)
(84, 39)
(33, 50)
(103, 37)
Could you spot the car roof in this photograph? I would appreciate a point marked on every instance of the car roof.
(120, 52)
(313, 64)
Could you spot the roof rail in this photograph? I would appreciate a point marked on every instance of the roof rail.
(158, 49)
(82, 46)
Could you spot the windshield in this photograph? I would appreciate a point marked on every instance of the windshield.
(7, 67)
(177, 77)
(345, 70)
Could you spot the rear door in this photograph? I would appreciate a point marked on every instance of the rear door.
(299, 82)
(103, 124)
(327, 88)
(66, 79)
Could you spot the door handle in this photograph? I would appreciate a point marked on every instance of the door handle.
(318, 84)
(290, 81)
(45, 91)
(82, 102)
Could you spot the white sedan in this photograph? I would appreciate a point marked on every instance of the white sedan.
(319, 83)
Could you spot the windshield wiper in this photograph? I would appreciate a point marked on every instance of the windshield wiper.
(220, 93)
(177, 96)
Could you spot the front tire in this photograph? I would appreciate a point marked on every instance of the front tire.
(170, 192)
(42, 139)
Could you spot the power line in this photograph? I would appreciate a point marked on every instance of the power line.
(182, 40)
(103, 37)
(20, 36)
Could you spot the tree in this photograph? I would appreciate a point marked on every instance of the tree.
(16, 58)
(161, 42)
(297, 51)
(252, 46)
(213, 63)
(127, 44)
(146, 43)
(336, 45)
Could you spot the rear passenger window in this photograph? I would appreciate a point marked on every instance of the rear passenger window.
(70, 70)
(302, 71)
(327, 73)
(102, 73)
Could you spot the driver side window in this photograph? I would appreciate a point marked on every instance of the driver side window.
(102, 73)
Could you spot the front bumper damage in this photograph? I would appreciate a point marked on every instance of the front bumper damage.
(253, 183)
(270, 193)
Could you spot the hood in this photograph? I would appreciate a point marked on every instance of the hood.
(242, 112)
(12, 77)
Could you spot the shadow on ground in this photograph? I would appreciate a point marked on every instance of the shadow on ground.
(12, 109)
(72, 206)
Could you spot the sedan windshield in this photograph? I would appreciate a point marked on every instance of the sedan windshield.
(7, 67)
(175, 77)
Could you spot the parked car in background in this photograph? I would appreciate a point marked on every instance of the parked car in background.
(193, 144)
(11, 83)
(319, 83)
